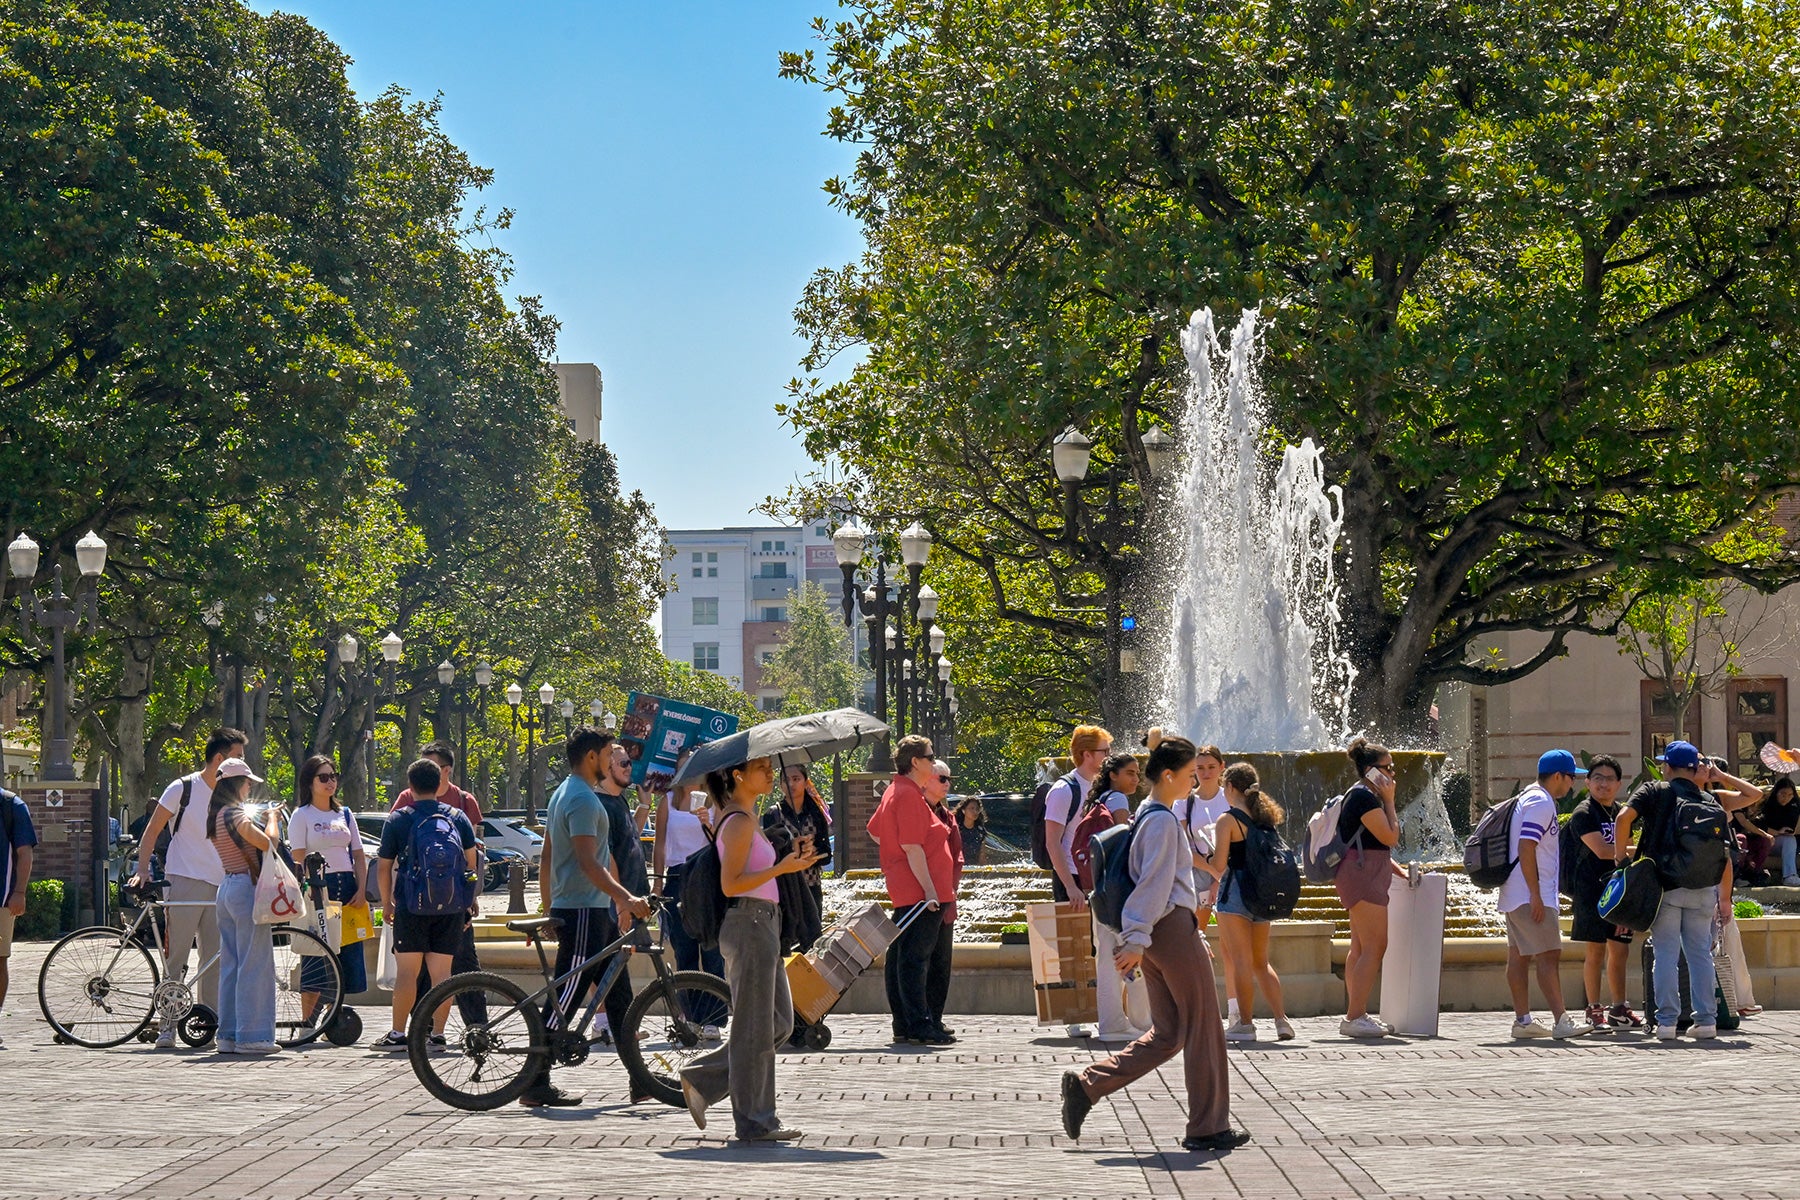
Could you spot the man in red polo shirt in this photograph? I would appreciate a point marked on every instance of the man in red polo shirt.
(454, 797)
(920, 872)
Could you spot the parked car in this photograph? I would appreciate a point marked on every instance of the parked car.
(511, 834)
(499, 867)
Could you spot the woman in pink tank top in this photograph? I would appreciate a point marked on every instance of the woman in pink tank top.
(762, 1010)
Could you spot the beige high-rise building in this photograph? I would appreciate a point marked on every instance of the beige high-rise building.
(580, 387)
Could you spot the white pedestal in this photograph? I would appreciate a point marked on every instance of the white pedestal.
(1415, 955)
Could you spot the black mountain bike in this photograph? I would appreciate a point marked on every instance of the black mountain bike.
(491, 1061)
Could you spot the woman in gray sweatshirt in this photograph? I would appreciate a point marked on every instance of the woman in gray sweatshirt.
(1162, 938)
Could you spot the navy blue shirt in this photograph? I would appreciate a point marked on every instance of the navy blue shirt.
(396, 833)
(19, 818)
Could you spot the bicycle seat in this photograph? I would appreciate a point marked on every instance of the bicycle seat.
(536, 926)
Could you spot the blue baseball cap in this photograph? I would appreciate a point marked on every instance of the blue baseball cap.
(1680, 754)
(1559, 762)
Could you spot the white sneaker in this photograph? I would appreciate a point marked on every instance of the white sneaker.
(709, 1033)
(1529, 1028)
(1571, 1026)
(1666, 1033)
(166, 1039)
(259, 1048)
(1243, 1031)
(1284, 1030)
(1077, 1031)
(1125, 1033)
(1791, 881)
(1708, 1030)
(1362, 1027)
(224, 1046)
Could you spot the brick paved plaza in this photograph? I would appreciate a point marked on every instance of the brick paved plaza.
(1470, 1114)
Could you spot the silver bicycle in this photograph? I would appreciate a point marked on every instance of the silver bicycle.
(103, 986)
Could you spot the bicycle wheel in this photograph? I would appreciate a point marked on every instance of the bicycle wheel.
(309, 986)
(97, 987)
(663, 1026)
(495, 1041)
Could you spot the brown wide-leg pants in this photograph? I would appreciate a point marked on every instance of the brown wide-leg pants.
(1184, 1016)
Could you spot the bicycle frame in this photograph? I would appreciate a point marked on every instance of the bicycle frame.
(636, 938)
(145, 914)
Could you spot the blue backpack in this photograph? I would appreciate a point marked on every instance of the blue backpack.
(435, 882)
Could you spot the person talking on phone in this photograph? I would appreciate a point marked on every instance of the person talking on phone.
(1369, 827)
(920, 871)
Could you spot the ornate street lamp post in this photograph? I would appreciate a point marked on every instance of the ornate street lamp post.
(59, 613)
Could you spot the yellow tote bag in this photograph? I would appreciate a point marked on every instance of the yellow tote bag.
(358, 923)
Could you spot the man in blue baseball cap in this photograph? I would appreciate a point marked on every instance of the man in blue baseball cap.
(1528, 900)
(1683, 831)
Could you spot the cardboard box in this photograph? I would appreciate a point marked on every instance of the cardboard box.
(838, 967)
(872, 928)
(813, 996)
(1067, 1003)
(846, 945)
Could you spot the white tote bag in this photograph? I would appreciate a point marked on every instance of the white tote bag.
(278, 896)
(386, 968)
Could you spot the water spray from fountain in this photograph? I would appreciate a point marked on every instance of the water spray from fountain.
(1253, 661)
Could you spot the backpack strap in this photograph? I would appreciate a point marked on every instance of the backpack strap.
(187, 794)
(252, 855)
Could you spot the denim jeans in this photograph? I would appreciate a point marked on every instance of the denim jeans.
(1684, 926)
(1785, 844)
(246, 966)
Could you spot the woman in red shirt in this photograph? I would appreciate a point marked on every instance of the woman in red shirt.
(920, 872)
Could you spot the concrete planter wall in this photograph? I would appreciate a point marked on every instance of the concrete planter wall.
(997, 979)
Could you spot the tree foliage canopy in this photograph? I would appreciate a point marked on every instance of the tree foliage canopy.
(1529, 273)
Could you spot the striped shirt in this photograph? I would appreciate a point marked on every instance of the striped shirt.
(1534, 820)
(230, 857)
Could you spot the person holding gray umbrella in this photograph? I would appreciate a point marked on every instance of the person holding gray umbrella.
(762, 1010)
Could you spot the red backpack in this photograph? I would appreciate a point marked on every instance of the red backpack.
(1097, 818)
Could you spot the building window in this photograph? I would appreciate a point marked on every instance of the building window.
(1755, 715)
(706, 656)
(696, 572)
(706, 610)
(696, 556)
(768, 546)
(712, 556)
(768, 657)
(774, 570)
(769, 704)
(711, 572)
(773, 614)
(781, 547)
(1658, 717)
(821, 531)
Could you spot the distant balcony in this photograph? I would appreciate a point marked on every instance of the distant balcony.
(773, 589)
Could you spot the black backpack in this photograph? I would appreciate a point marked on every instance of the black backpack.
(171, 828)
(1040, 845)
(1695, 852)
(1112, 868)
(703, 900)
(1270, 880)
(1569, 852)
(1487, 855)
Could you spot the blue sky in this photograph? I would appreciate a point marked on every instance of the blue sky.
(666, 186)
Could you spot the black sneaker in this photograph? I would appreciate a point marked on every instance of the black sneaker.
(550, 1096)
(1075, 1104)
(436, 1042)
(942, 1037)
(391, 1040)
(1229, 1139)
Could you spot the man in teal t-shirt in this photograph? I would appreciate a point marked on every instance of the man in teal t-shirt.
(581, 892)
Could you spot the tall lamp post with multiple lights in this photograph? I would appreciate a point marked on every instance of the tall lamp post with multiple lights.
(532, 721)
(61, 614)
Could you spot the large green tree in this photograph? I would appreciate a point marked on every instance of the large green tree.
(1528, 272)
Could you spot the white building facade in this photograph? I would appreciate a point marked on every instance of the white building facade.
(730, 592)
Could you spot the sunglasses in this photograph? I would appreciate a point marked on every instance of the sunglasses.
(943, 779)
(322, 777)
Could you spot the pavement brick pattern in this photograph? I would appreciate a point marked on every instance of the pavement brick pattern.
(1468, 1115)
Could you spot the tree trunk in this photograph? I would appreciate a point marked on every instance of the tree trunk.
(137, 671)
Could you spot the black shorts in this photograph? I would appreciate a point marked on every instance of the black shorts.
(1587, 925)
(416, 934)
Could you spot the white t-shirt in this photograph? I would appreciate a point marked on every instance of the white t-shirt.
(1534, 820)
(684, 836)
(191, 855)
(1060, 805)
(329, 832)
(1201, 816)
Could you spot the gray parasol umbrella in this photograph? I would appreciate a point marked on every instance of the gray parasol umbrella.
(787, 741)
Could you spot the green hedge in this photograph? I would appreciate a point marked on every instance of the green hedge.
(45, 900)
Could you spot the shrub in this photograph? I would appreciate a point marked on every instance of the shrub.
(1744, 910)
(43, 910)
